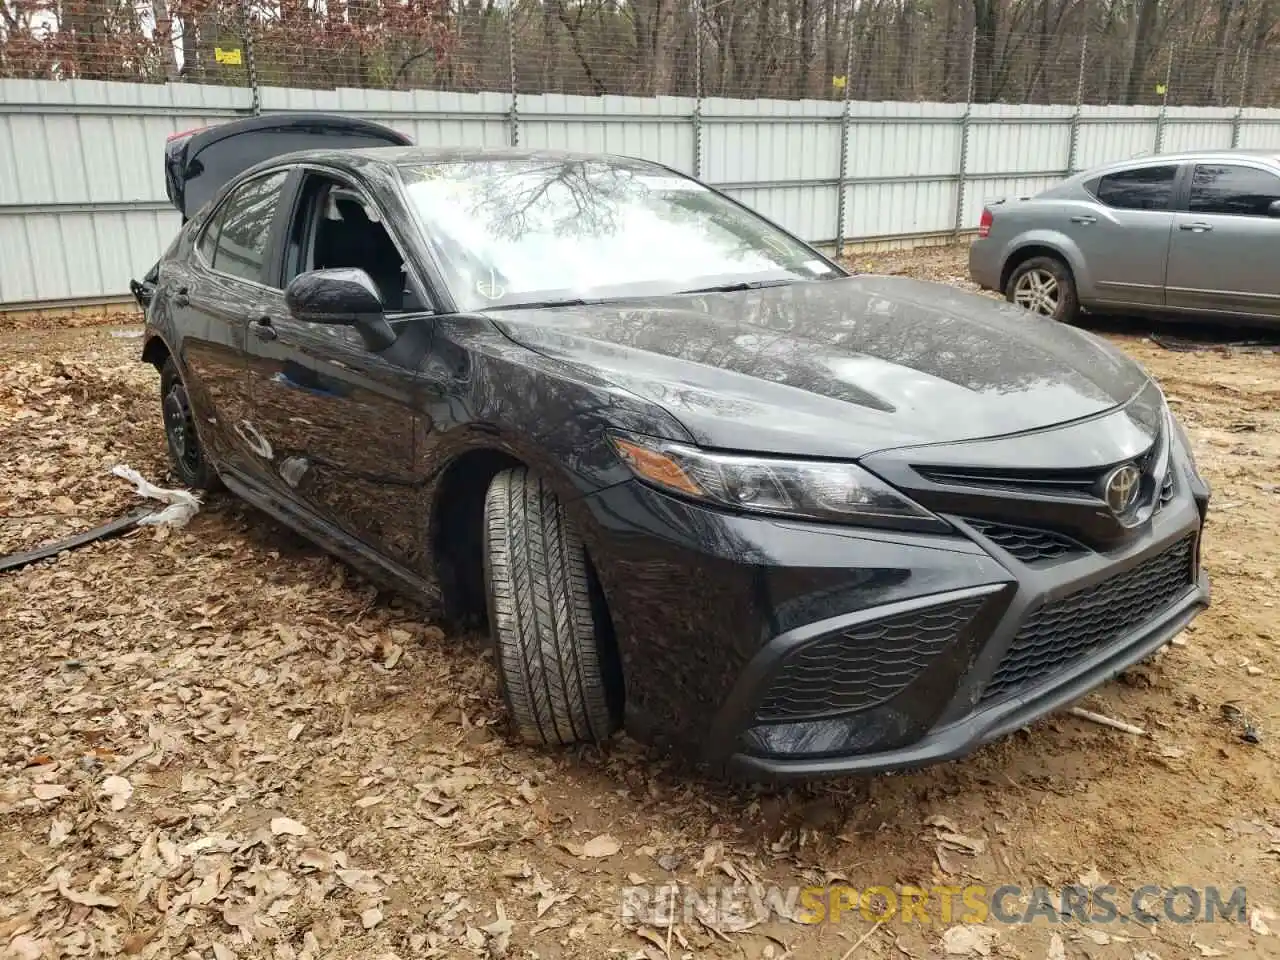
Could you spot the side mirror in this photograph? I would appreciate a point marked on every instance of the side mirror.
(344, 296)
(1273, 209)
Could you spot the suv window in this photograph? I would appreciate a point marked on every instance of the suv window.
(245, 226)
(1232, 189)
(1146, 188)
(209, 239)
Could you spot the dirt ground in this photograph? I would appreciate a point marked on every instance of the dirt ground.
(219, 742)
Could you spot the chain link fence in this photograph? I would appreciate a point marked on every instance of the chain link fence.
(694, 48)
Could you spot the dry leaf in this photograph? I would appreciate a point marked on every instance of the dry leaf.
(968, 940)
(1206, 951)
(284, 826)
(48, 791)
(960, 842)
(370, 918)
(1258, 923)
(119, 790)
(88, 898)
(1057, 950)
(601, 846)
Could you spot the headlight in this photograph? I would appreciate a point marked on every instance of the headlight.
(815, 489)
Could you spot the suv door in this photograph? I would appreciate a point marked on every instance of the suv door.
(214, 292)
(1124, 236)
(1223, 253)
(337, 416)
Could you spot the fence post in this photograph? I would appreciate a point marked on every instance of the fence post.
(844, 146)
(513, 114)
(964, 138)
(1164, 100)
(697, 89)
(1239, 117)
(246, 27)
(1073, 146)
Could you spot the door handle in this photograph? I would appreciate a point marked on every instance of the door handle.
(1196, 227)
(263, 330)
(180, 298)
(1085, 219)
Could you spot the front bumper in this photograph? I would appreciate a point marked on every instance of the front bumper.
(708, 607)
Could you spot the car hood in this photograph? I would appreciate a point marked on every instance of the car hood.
(838, 368)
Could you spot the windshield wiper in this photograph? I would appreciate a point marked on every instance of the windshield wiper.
(743, 285)
(539, 304)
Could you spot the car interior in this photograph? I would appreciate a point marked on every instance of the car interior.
(337, 227)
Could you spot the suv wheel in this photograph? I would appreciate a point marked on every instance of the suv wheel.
(1044, 285)
(547, 627)
(185, 452)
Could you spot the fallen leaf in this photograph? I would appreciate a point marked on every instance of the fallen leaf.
(969, 940)
(89, 898)
(1207, 951)
(119, 790)
(601, 846)
(942, 823)
(370, 918)
(960, 842)
(287, 827)
(1258, 924)
(24, 947)
(1057, 951)
(49, 791)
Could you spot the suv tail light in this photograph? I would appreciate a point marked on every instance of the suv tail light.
(984, 225)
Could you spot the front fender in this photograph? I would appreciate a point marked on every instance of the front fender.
(1064, 246)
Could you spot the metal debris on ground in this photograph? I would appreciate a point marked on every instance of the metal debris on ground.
(1186, 345)
(114, 528)
(183, 505)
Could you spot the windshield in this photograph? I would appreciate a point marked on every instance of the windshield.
(509, 232)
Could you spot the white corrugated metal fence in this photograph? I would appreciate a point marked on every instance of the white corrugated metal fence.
(83, 208)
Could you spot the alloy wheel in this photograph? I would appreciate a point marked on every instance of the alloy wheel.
(1037, 290)
(180, 428)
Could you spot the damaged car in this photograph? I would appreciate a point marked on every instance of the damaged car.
(694, 478)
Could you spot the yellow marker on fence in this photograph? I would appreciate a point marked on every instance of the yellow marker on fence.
(229, 57)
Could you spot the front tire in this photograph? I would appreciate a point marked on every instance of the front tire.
(548, 635)
(185, 453)
(1045, 286)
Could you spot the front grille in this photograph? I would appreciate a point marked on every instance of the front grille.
(1075, 483)
(1086, 621)
(1027, 544)
(863, 666)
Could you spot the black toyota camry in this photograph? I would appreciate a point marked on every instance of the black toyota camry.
(694, 477)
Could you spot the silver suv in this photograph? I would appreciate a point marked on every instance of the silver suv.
(1175, 233)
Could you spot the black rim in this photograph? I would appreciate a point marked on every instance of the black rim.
(180, 428)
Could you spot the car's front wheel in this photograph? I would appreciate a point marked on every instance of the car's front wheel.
(185, 453)
(1044, 285)
(547, 621)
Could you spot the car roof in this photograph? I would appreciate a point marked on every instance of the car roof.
(410, 156)
(1238, 153)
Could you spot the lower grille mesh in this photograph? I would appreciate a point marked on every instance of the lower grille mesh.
(1088, 620)
(862, 666)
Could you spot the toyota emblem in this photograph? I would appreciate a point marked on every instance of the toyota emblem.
(1121, 488)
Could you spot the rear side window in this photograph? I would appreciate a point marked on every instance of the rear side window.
(1147, 188)
(1232, 189)
(209, 239)
(244, 227)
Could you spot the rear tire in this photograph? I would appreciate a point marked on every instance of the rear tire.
(548, 635)
(185, 453)
(1045, 286)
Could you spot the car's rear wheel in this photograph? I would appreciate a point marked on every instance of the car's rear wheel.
(1044, 285)
(549, 630)
(185, 453)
